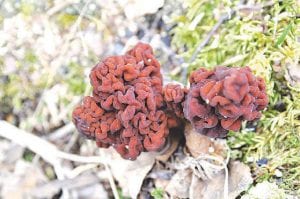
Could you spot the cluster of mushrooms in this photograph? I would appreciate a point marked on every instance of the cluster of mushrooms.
(131, 111)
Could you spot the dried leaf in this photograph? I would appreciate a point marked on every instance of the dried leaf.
(201, 144)
(179, 185)
(130, 174)
(239, 180)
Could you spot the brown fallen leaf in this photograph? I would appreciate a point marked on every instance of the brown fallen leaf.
(200, 144)
(179, 185)
(239, 180)
(129, 174)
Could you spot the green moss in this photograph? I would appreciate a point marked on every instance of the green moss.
(28, 155)
(30, 57)
(267, 42)
(75, 79)
(66, 20)
(157, 193)
(27, 8)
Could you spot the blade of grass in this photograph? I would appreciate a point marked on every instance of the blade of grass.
(282, 37)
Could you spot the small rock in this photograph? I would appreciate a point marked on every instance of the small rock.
(278, 173)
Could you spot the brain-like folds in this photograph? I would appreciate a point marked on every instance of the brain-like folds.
(125, 110)
(132, 112)
(221, 99)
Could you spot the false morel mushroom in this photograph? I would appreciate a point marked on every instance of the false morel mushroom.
(132, 112)
(174, 96)
(126, 109)
(219, 100)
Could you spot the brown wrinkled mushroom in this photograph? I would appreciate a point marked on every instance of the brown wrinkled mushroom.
(126, 110)
(174, 96)
(221, 99)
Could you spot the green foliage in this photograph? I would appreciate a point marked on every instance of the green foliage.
(66, 20)
(18, 85)
(27, 8)
(265, 40)
(28, 156)
(75, 78)
(157, 193)
(281, 39)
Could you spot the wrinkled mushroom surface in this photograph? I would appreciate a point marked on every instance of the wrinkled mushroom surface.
(126, 109)
(219, 100)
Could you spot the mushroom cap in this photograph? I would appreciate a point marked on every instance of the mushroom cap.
(126, 109)
(219, 100)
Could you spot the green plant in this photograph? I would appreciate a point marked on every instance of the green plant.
(157, 193)
(266, 40)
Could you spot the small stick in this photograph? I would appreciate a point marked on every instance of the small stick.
(223, 18)
(45, 149)
(206, 40)
(110, 177)
(61, 132)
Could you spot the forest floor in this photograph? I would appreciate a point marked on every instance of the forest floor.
(47, 49)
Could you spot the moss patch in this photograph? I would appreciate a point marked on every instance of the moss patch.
(264, 37)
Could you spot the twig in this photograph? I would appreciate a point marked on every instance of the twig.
(223, 18)
(210, 34)
(72, 142)
(47, 190)
(206, 166)
(112, 182)
(45, 149)
(110, 177)
(61, 132)
(206, 40)
(78, 158)
(80, 169)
